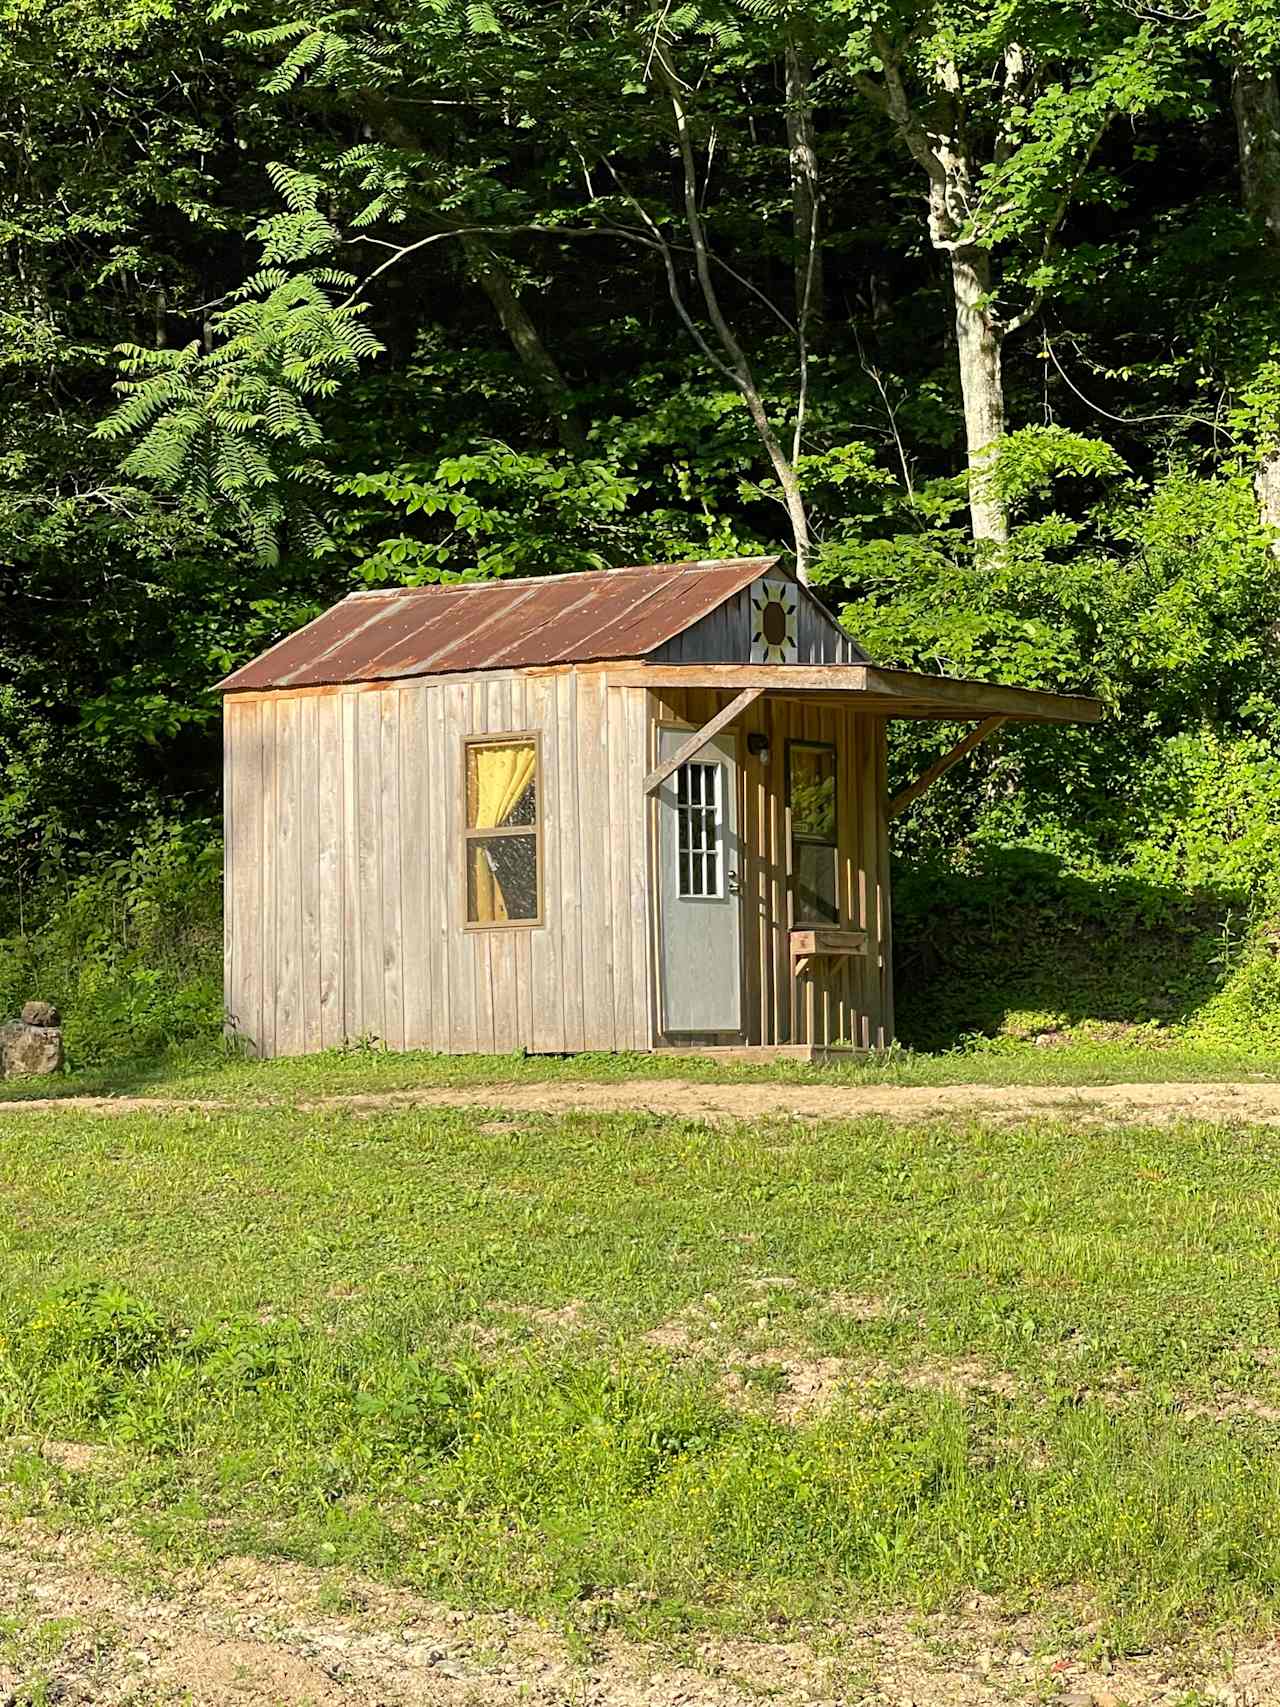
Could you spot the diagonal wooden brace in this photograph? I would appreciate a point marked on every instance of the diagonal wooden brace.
(941, 766)
(699, 738)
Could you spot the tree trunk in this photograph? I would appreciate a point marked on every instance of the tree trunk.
(1255, 100)
(1266, 483)
(802, 146)
(941, 148)
(538, 362)
(982, 388)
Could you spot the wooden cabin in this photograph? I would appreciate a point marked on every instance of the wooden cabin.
(630, 809)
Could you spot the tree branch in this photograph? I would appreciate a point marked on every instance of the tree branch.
(493, 278)
(806, 214)
(738, 363)
(897, 104)
(673, 284)
(1047, 247)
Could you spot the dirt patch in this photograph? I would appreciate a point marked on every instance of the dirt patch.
(1249, 1103)
(78, 1456)
(1227, 1407)
(794, 1383)
(858, 1307)
(690, 1334)
(809, 1385)
(567, 1318)
(806, 1386)
(286, 1636)
(209, 1669)
(961, 1375)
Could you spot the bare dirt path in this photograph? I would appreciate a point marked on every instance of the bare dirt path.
(1252, 1102)
(280, 1635)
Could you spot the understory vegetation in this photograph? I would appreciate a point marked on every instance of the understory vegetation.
(971, 312)
(996, 956)
(652, 1373)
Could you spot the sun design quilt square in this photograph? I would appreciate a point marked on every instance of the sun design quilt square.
(775, 609)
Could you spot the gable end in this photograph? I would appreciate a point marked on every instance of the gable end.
(726, 635)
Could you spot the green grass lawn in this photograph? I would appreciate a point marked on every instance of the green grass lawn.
(657, 1373)
(212, 1073)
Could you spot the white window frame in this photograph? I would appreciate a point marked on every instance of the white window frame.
(685, 848)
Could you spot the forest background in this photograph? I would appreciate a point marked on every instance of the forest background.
(971, 307)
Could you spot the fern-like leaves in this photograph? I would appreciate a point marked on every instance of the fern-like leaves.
(233, 427)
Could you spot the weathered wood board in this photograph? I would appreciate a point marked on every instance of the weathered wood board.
(345, 888)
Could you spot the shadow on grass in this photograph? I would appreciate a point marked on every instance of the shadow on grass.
(1018, 944)
(1014, 947)
(137, 1076)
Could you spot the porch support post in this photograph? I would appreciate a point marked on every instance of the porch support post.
(699, 738)
(940, 767)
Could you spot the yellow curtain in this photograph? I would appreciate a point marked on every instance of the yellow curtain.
(499, 776)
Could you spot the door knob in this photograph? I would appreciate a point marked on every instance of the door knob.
(734, 882)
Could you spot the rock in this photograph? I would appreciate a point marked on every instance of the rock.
(1074, 1698)
(41, 1013)
(29, 1050)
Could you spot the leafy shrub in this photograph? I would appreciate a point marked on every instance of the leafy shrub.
(104, 1324)
(1246, 1006)
(129, 950)
(1014, 940)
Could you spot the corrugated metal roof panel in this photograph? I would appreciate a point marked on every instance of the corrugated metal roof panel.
(497, 625)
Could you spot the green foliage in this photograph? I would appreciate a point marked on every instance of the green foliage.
(386, 292)
(206, 424)
(129, 950)
(499, 512)
(1169, 617)
(295, 1333)
(1031, 461)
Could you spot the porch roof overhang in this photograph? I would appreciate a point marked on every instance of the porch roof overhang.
(881, 692)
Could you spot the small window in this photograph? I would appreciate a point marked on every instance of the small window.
(502, 832)
(698, 830)
(811, 799)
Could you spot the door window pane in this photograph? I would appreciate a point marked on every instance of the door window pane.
(698, 829)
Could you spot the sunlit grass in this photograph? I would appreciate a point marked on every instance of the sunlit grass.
(559, 1362)
(214, 1073)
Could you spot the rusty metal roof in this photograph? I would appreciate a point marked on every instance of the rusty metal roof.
(497, 625)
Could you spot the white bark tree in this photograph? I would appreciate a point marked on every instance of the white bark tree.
(1004, 122)
(937, 141)
(1255, 102)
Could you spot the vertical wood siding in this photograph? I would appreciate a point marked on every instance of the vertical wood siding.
(724, 636)
(845, 1001)
(345, 885)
